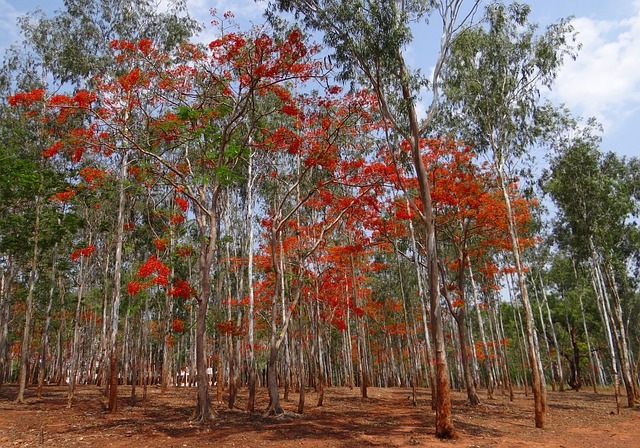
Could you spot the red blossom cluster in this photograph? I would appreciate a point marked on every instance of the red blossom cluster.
(153, 265)
(135, 287)
(161, 243)
(177, 218)
(182, 288)
(229, 327)
(26, 98)
(184, 251)
(177, 325)
(52, 150)
(63, 196)
(182, 203)
(93, 176)
(150, 267)
(83, 252)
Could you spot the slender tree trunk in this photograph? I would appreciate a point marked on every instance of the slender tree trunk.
(204, 410)
(349, 347)
(621, 337)
(272, 363)
(117, 275)
(474, 354)
(75, 350)
(537, 378)
(251, 403)
(461, 321)
(559, 370)
(411, 347)
(26, 332)
(286, 365)
(588, 339)
(301, 371)
(105, 321)
(424, 308)
(444, 421)
(44, 338)
(6, 280)
(59, 371)
(483, 336)
(318, 342)
(167, 345)
(598, 287)
(554, 376)
(363, 376)
(137, 357)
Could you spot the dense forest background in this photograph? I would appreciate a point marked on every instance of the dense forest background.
(264, 211)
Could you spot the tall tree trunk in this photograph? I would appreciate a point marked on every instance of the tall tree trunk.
(26, 332)
(444, 421)
(44, 338)
(286, 365)
(559, 370)
(348, 347)
(424, 308)
(461, 321)
(117, 275)
(546, 340)
(363, 376)
(207, 224)
(251, 403)
(537, 378)
(411, 346)
(588, 339)
(621, 337)
(167, 345)
(59, 370)
(6, 279)
(598, 287)
(301, 371)
(318, 342)
(483, 336)
(502, 370)
(272, 363)
(75, 348)
(105, 321)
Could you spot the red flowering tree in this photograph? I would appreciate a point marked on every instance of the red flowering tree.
(316, 182)
(471, 224)
(188, 119)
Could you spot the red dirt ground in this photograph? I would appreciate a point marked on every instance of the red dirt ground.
(386, 419)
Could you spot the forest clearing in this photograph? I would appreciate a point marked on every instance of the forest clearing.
(386, 419)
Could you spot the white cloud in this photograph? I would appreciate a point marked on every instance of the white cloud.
(605, 80)
(9, 32)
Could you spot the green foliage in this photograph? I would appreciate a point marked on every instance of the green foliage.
(594, 193)
(368, 38)
(493, 77)
(74, 44)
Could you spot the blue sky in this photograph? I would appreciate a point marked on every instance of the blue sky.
(603, 82)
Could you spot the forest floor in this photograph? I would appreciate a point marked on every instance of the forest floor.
(386, 419)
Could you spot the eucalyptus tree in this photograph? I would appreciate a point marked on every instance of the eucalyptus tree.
(370, 39)
(492, 97)
(577, 325)
(597, 201)
(75, 43)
